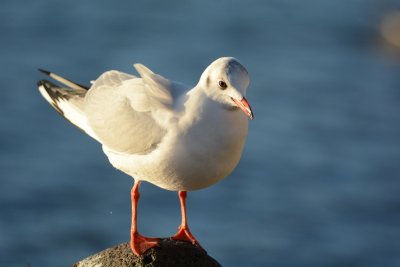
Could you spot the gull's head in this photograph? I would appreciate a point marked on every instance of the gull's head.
(226, 81)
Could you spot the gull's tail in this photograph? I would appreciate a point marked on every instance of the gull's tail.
(67, 100)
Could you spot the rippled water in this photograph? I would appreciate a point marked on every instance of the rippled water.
(318, 184)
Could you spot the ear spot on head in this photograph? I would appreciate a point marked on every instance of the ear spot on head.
(208, 81)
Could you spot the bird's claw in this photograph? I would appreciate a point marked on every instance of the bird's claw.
(184, 234)
(140, 244)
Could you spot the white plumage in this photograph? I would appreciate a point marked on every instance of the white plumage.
(171, 135)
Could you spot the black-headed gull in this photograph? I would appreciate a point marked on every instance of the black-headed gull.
(174, 136)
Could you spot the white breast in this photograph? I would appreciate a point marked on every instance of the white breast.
(194, 157)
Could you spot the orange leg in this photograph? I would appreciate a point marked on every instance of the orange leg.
(139, 244)
(183, 230)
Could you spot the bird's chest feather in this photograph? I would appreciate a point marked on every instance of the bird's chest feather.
(215, 142)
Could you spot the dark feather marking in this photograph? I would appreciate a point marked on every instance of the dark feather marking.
(48, 86)
(234, 65)
(54, 92)
(48, 73)
(44, 71)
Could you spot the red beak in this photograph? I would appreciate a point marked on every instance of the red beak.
(244, 105)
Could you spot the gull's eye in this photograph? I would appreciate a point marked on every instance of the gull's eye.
(222, 84)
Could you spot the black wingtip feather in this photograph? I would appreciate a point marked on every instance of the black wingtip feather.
(44, 71)
(48, 73)
(45, 83)
(52, 94)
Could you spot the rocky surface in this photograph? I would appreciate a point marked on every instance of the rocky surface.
(169, 253)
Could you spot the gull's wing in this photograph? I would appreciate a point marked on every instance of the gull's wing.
(127, 113)
(68, 100)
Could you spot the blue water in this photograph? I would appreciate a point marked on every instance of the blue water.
(318, 183)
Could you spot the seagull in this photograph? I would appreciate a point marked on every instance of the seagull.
(177, 137)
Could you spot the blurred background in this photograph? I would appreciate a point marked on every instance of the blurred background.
(318, 183)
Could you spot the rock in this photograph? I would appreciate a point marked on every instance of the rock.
(171, 253)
